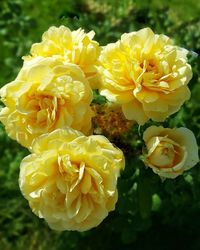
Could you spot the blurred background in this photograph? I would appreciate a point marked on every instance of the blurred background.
(150, 214)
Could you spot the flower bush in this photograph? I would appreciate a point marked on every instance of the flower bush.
(70, 179)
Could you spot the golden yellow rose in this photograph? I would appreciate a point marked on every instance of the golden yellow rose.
(75, 47)
(70, 179)
(47, 94)
(170, 151)
(146, 74)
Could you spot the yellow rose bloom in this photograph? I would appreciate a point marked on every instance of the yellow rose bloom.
(146, 74)
(70, 179)
(170, 151)
(47, 94)
(75, 47)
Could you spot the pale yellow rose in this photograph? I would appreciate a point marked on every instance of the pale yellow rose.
(146, 74)
(47, 94)
(75, 47)
(170, 151)
(70, 180)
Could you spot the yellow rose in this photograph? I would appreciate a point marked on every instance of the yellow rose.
(146, 74)
(70, 179)
(47, 94)
(170, 151)
(75, 47)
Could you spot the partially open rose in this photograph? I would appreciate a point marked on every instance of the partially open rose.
(170, 151)
(70, 180)
(47, 94)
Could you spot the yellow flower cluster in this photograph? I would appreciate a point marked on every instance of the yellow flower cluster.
(70, 177)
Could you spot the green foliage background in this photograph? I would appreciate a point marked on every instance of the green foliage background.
(150, 214)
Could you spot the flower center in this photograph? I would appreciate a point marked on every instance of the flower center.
(41, 112)
(78, 175)
(153, 76)
(163, 155)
